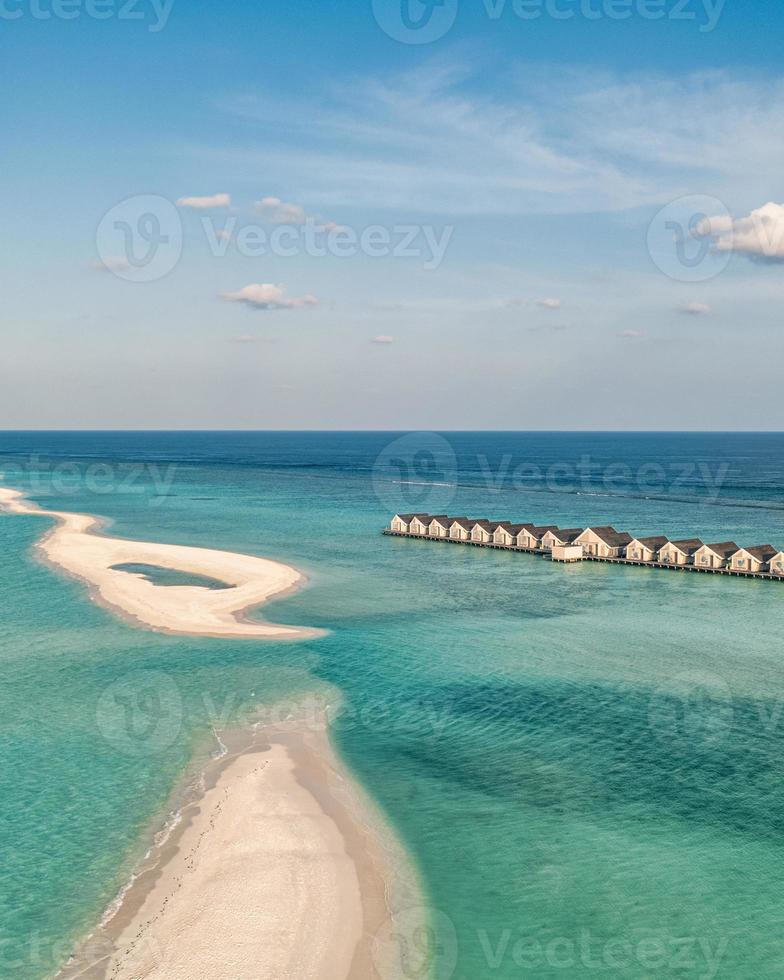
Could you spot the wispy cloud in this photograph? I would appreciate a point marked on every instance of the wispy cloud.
(280, 212)
(695, 309)
(267, 296)
(555, 141)
(383, 339)
(632, 334)
(549, 304)
(205, 203)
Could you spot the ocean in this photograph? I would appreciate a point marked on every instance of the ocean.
(584, 762)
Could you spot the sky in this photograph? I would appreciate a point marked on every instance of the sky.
(390, 214)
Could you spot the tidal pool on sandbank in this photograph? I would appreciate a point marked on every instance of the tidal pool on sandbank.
(157, 575)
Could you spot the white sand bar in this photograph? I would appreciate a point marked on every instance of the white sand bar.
(76, 546)
(261, 886)
(273, 871)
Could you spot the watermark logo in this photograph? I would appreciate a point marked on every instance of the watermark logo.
(416, 944)
(693, 709)
(140, 239)
(416, 473)
(678, 243)
(141, 713)
(415, 21)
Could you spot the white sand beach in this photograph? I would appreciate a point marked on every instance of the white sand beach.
(271, 872)
(77, 547)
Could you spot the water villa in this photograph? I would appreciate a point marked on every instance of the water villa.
(594, 544)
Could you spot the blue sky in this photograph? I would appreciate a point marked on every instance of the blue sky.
(499, 210)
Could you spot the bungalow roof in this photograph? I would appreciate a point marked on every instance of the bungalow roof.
(610, 536)
(425, 518)
(514, 529)
(654, 543)
(687, 545)
(567, 535)
(724, 550)
(762, 552)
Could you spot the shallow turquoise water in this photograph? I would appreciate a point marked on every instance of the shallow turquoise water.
(170, 576)
(584, 761)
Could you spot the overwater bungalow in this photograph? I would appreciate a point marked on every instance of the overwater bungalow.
(603, 542)
(531, 537)
(645, 549)
(756, 559)
(401, 523)
(439, 527)
(679, 552)
(496, 527)
(506, 533)
(715, 555)
(482, 531)
(776, 564)
(420, 523)
(560, 537)
(461, 529)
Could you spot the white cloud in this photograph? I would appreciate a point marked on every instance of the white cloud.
(204, 203)
(632, 334)
(281, 212)
(759, 235)
(383, 339)
(244, 338)
(695, 309)
(267, 296)
(549, 304)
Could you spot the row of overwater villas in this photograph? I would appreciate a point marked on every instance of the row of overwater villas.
(574, 544)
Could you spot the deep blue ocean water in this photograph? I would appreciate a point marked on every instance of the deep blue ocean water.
(584, 762)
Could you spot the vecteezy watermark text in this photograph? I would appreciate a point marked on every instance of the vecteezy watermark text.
(70, 477)
(424, 242)
(686, 955)
(586, 474)
(426, 21)
(141, 239)
(420, 473)
(705, 13)
(154, 13)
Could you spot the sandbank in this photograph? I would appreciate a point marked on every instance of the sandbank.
(274, 870)
(77, 546)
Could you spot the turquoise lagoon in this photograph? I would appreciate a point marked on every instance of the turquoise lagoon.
(584, 762)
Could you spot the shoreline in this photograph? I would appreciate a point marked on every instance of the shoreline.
(76, 546)
(234, 897)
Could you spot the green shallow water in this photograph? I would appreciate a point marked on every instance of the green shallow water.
(584, 762)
